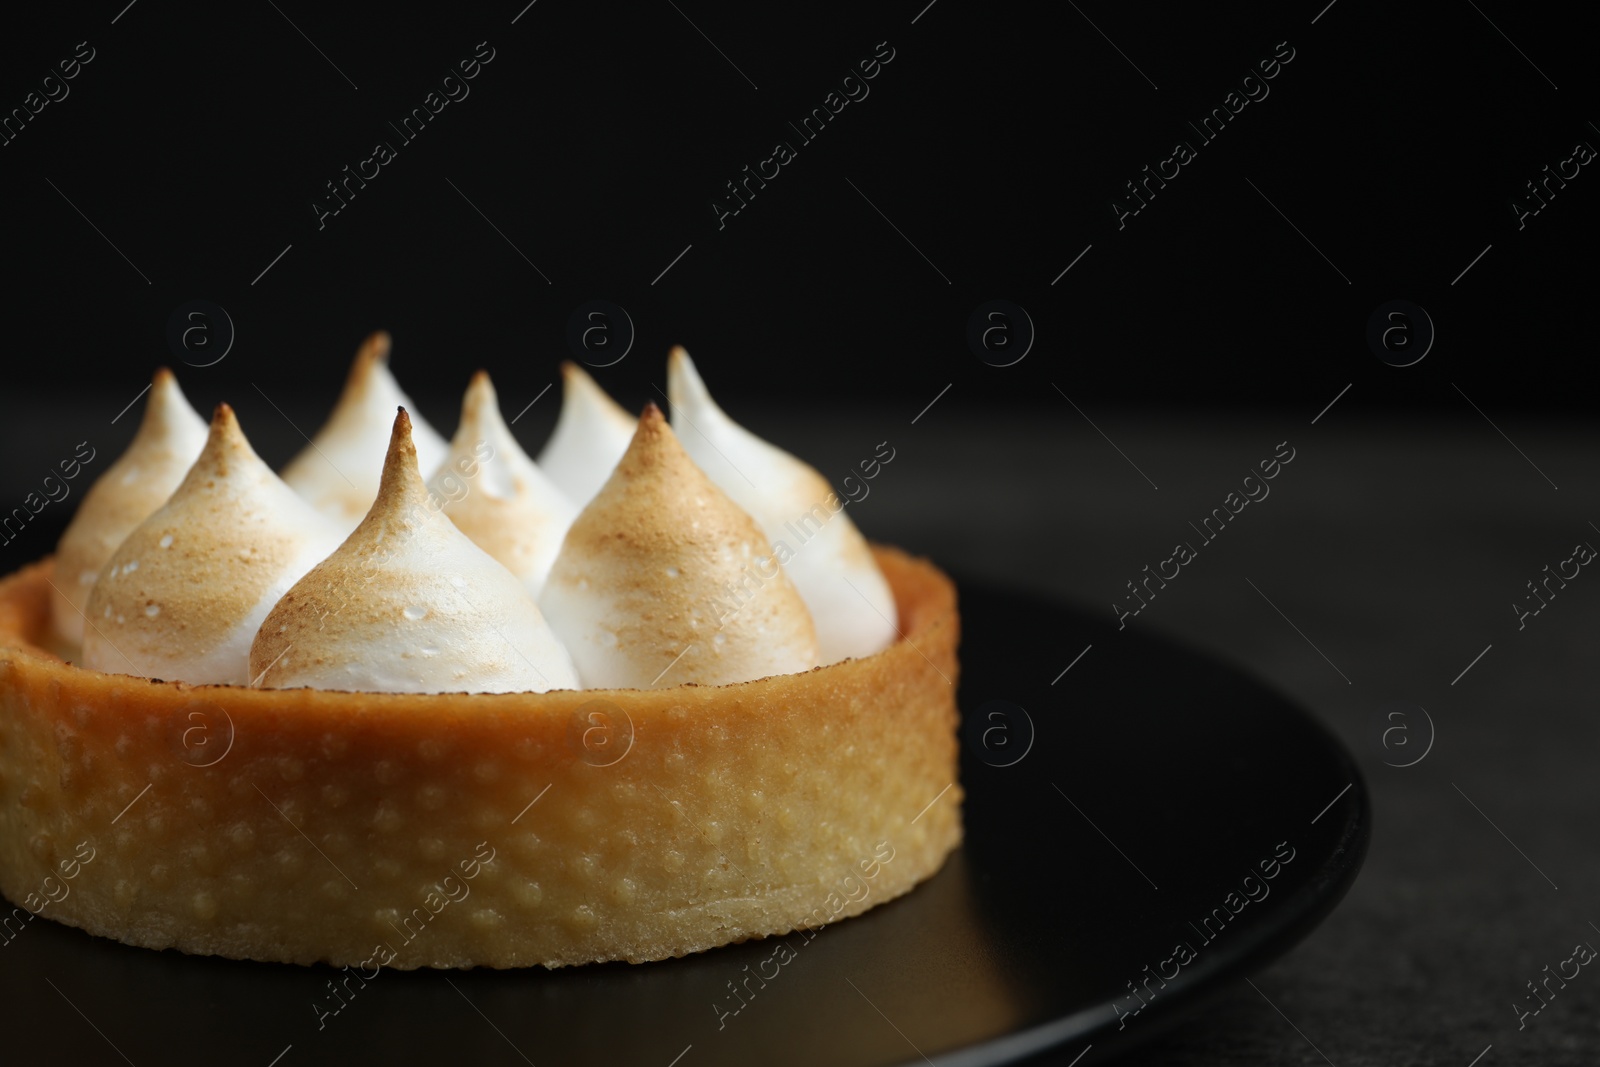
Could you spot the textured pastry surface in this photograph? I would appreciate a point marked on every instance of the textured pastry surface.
(456, 830)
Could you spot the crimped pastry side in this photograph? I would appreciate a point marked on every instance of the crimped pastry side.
(459, 830)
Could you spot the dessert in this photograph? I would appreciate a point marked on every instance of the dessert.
(169, 438)
(313, 817)
(496, 495)
(590, 436)
(337, 471)
(408, 604)
(819, 547)
(184, 594)
(663, 580)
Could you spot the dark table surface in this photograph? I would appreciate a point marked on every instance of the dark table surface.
(1386, 558)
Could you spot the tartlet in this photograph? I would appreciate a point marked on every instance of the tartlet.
(529, 821)
(457, 830)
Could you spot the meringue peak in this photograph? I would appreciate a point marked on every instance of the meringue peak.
(403, 504)
(498, 496)
(374, 352)
(170, 436)
(408, 604)
(829, 561)
(339, 469)
(484, 428)
(182, 596)
(225, 441)
(689, 387)
(664, 580)
(226, 446)
(401, 482)
(481, 400)
(764, 469)
(592, 432)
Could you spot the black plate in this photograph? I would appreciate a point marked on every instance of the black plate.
(1107, 822)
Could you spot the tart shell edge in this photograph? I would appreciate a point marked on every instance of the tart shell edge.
(460, 830)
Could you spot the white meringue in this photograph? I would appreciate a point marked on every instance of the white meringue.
(338, 471)
(170, 436)
(409, 605)
(182, 597)
(824, 554)
(663, 580)
(591, 434)
(496, 495)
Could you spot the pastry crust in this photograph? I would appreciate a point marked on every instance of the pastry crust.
(308, 826)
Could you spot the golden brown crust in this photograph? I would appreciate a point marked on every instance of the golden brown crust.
(310, 825)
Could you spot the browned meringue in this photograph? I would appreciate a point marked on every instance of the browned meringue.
(496, 495)
(170, 436)
(819, 546)
(663, 580)
(408, 604)
(339, 470)
(182, 596)
(591, 434)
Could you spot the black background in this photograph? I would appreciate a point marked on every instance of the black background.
(596, 140)
(1195, 338)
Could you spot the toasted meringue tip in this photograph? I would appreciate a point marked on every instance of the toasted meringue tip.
(580, 390)
(225, 444)
(652, 418)
(373, 354)
(480, 399)
(653, 437)
(164, 390)
(225, 432)
(167, 408)
(574, 377)
(400, 436)
(684, 384)
(400, 462)
(375, 349)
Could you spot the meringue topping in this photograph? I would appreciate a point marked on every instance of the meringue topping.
(496, 495)
(663, 580)
(831, 565)
(182, 597)
(591, 434)
(408, 604)
(338, 471)
(169, 438)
